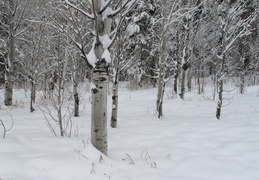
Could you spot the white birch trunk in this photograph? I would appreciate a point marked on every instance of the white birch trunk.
(115, 88)
(99, 107)
(100, 81)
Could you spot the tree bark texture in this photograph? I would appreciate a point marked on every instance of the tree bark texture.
(115, 91)
(115, 88)
(99, 107)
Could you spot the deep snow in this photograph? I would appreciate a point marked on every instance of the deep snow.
(189, 143)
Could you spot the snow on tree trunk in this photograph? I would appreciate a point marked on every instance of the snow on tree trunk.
(10, 59)
(105, 24)
(100, 80)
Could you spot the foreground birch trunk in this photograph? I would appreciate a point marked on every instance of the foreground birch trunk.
(104, 17)
(99, 107)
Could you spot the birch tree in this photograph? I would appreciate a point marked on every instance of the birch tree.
(11, 55)
(14, 18)
(174, 16)
(103, 17)
(232, 26)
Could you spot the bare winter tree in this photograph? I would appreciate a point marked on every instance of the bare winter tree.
(11, 55)
(14, 11)
(104, 24)
(233, 25)
(177, 12)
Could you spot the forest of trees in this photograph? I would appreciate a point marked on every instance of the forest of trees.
(54, 45)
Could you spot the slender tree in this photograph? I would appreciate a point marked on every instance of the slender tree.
(102, 16)
(232, 26)
(9, 69)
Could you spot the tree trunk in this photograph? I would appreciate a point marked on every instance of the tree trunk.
(10, 59)
(220, 98)
(242, 82)
(75, 87)
(199, 81)
(99, 107)
(189, 79)
(203, 80)
(183, 72)
(214, 85)
(186, 54)
(59, 100)
(182, 80)
(176, 81)
(162, 60)
(115, 86)
(33, 95)
(115, 90)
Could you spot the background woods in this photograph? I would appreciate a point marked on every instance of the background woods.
(54, 46)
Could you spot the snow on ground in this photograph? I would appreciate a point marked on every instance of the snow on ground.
(189, 143)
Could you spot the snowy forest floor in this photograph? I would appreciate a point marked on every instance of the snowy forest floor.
(189, 143)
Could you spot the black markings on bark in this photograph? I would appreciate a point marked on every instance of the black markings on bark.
(95, 91)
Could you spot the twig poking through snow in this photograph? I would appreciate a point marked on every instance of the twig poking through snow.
(5, 130)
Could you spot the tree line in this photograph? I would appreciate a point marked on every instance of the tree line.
(51, 45)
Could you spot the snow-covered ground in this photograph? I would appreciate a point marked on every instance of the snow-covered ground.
(189, 143)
